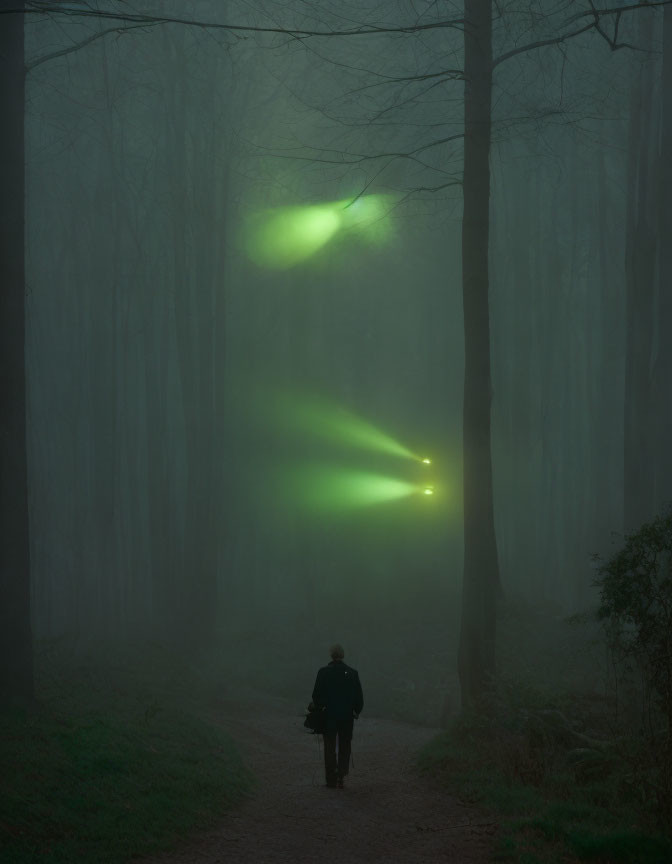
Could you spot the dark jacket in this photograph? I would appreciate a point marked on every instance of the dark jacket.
(337, 688)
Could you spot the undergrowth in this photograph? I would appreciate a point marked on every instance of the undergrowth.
(102, 773)
(561, 792)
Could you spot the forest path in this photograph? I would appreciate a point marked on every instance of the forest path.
(386, 813)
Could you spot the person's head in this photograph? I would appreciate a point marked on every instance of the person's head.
(336, 651)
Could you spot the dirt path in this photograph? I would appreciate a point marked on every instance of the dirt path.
(386, 813)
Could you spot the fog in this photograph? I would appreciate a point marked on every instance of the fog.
(234, 374)
(335, 322)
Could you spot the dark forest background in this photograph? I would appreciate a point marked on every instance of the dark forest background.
(150, 338)
(162, 363)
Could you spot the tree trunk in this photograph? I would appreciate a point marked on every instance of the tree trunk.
(663, 367)
(476, 660)
(640, 256)
(104, 383)
(16, 652)
(198, 596)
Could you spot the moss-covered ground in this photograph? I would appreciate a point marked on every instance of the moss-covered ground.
(103, 770)
(547, 814)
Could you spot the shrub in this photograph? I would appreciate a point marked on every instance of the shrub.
(636, 609)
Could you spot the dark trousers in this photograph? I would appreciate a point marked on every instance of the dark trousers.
(334, 766)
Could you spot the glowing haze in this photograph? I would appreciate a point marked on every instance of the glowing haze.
(331, 489)
(283, 237)
(322, 419)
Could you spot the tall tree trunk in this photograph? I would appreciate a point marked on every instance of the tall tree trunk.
(198, 595)
(608, 379)
(476, 659)
(104, 380)
(663, 366)
(638, 470)
(16, 652)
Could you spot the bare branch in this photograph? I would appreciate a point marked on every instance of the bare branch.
(541, 43)
(446, 74)
(617, 10)
(84, 42)
(37, 8)
(596, 15)
(432, 190)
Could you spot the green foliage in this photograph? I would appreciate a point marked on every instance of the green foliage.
(630, 847)
(636, 604)
(543, 764)
(103, 784)
(636, 607)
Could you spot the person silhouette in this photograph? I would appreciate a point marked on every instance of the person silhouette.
(338, 692)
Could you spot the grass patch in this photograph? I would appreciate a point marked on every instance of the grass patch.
(94, 776)
(552, 819)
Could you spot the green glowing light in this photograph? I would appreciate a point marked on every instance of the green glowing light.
(427, 461)
(327, 421)
(332, 489)
(284, 237)
(367, 211)
(428, 491)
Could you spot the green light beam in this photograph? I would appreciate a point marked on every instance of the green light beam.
(333, 423)
(280, 239)
(335, 489)
(283, 237)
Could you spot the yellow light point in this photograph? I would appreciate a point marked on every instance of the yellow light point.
(427, 461)
(429, 491)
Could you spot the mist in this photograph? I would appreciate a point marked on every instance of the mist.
(344, 323)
